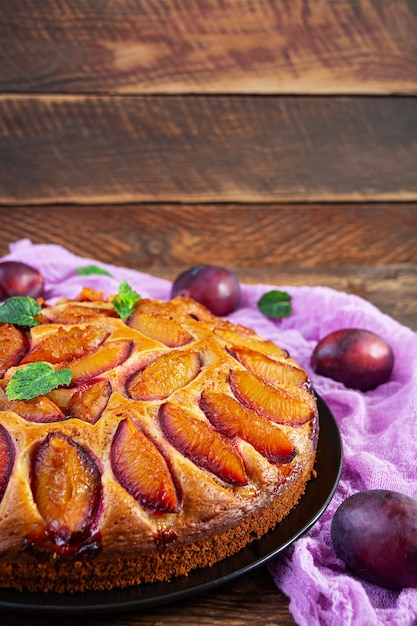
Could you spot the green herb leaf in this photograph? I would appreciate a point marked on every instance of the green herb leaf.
(36, 379)
(275, 304)
(89, 270)
(20, 310)
(125, 301)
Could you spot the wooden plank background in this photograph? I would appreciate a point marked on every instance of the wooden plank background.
(86, 149)
(276, 237)
(209, 46)
(208, 101)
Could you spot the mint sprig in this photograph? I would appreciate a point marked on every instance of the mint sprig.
(90, 270)
(275, 304)
(20, 310)
(36, 379)
(125, 301)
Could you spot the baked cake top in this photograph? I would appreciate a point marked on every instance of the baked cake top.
(175, 424)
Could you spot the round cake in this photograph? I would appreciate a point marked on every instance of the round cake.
(178, 439)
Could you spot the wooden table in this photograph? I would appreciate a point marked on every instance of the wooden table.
(275, 138)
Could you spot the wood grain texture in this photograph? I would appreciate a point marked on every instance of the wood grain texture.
(246, 236)
(79, 149)
(369, 250)
(209, 46)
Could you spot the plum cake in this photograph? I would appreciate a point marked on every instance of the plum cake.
(178, 438)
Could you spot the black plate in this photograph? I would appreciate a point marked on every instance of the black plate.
(314, 502)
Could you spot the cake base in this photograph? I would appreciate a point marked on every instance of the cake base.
(96, 574)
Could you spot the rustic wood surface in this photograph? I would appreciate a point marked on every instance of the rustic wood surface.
(228, 46)
(79, 149)
(255, 237)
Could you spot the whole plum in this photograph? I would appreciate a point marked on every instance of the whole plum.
(214, 286)
(19, 279)
(374, 533)
(358, 358)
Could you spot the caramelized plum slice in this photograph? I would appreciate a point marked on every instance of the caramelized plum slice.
(39, 409)
(160, 329)
(269, 370)
(203, 445)
(237, 336)
(165, 375)
(88, 294)
(67, 344)
(61, 396)
(78, 314)
(141, 469)
(88, 402)
(7, 456)
(275, 403)
(106, 357)
(13, 346)
(234, 420)
(66, 487)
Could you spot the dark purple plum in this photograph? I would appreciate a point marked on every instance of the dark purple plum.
(358, 358)
(19, 279)
(214, 286)
(374, 533)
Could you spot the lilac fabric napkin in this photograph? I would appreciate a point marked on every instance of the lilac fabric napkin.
(378, 428)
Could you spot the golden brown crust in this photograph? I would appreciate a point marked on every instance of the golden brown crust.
(130, 541)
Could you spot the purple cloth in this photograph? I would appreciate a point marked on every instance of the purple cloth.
(378, 428)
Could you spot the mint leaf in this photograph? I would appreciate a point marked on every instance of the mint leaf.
(125, 301)
(36, 379)
(90, 270)
(275, 304)
(20, 310)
